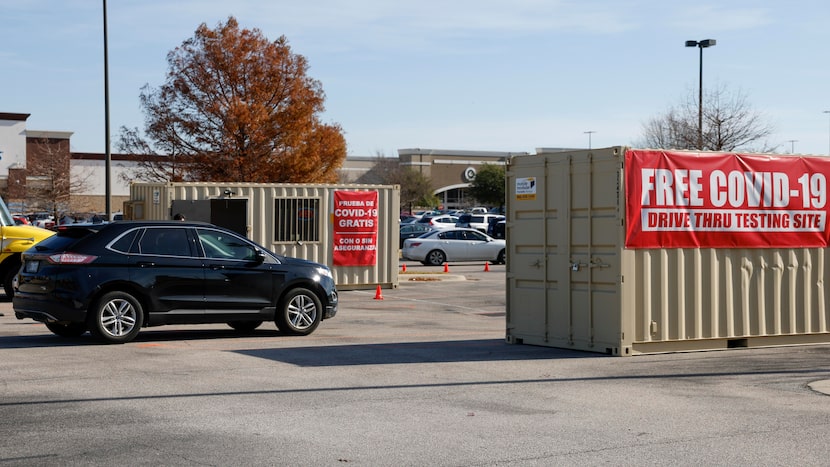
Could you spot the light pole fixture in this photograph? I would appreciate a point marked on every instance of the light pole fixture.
(589, 133)
(701, 45)
(792, 145)
(828, 144)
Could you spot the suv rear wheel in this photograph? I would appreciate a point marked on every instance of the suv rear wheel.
(115, 318)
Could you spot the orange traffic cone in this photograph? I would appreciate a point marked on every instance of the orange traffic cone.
(378, 294)
(486, 266)
(446, 267)
(403, 267)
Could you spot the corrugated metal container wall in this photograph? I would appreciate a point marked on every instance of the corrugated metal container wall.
(571, 282)
(156, 200)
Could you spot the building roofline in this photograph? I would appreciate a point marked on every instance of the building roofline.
(14, 116)
(48, 134)
(455, 152)
(95, 156)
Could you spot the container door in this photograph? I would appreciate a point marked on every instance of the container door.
(537, 292)
(563, 262)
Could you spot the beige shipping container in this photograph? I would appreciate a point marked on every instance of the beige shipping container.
(253, 210)
(572, 283)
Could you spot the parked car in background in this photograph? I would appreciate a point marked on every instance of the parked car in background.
(112, 279)
(420, 214)
(412, 230)
(479, 222)
(500, 210)
(43, 220)
(440, 246)
(497, 229)
(442, 221)
(20, 219)
(478, 210)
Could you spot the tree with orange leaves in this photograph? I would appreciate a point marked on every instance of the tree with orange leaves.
(236, 107)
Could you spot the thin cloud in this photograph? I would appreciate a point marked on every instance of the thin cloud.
(719, 18)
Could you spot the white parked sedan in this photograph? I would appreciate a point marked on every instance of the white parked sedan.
(442, 221)
(440, 246)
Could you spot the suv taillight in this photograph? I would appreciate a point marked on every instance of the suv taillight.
(71, 258)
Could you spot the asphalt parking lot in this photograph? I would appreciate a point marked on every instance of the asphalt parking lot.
(421, 377)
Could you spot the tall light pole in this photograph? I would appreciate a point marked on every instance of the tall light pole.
(828, 144)
(792, 145)
(701, 45)
(108, 155)
(589, 133)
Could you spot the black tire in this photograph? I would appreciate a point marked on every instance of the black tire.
(8, 279)
(244, 326)
(502, 258)
(67, 330)
(115, 318)
(299, 313)
(436, 258)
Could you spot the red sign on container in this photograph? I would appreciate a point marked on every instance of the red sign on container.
(355, 228)
(724, 200)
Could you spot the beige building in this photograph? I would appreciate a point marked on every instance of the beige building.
(451, 171)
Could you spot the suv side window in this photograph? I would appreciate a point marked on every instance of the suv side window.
(220, 245)
(164, 241)
(124, 242)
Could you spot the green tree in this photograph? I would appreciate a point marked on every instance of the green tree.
(236, 106)
(488, 186)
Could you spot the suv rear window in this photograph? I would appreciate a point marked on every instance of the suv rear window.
(62, 241)
(477, 219)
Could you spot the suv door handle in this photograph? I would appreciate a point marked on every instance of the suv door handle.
(146, 264)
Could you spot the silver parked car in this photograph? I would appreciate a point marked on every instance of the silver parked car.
(442, 221)
(440, 246)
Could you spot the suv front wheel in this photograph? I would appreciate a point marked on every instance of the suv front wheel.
(299, 313)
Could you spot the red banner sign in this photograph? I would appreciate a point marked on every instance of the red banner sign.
(355, 228)
(724, 200)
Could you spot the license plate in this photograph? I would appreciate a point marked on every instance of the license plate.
(31, 266)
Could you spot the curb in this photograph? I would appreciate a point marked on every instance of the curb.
(822, 386)
(430, 277)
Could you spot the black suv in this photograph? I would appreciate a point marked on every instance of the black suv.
(112, 279)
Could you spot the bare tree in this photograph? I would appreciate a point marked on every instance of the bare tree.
(416, 188)
(151, 166)
(49, 182)
(729, 123)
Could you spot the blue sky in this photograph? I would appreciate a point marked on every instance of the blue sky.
(465, 75)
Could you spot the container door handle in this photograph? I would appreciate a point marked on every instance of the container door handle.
(576, 265)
